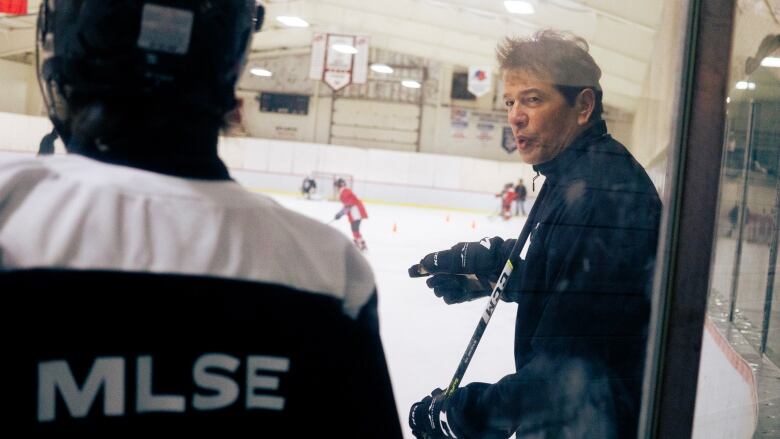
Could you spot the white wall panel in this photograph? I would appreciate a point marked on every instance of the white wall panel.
(14, 91)
(361, 143)
(422, 170)
(379, 135)
(306, 158)
(364, 120)
(389, 166)
(376, 124)
(231, 150)
(280, 158)
(447, 172)
(256, 155)
(513, 171)
(341, 159)
(21, 132)
(397, 176)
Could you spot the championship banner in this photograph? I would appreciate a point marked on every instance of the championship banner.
(480, 80)
(339, 60)
(508, 140)
(15, 7)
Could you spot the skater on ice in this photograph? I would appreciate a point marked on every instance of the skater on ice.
(309, 187)
(507, 196)
(354, 209)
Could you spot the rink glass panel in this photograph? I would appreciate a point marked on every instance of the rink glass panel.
(743, 294)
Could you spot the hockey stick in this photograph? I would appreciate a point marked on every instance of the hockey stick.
(491, 307)
(509, 266)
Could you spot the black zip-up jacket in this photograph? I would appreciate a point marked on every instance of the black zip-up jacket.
(583, 293)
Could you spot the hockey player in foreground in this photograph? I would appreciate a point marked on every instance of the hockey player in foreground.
(354, 210)
(581, 274)
(172, 300)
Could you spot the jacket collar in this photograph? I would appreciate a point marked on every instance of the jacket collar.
(561, 162)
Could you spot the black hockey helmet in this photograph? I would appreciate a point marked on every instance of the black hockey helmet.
(186, 53)
(339, 182)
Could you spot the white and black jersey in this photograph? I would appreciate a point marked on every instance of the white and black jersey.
(183, 305)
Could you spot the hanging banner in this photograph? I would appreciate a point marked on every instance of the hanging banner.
(508, 140)
(317, 64)
(339, 60)
(15, 7)
(480, 80)
(360, 64)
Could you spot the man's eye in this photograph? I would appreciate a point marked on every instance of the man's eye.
(509, 103)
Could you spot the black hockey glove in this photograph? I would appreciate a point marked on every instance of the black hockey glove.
(467, 271)
(428, 418)
(481, 257)
(459, 288)
(339, 214)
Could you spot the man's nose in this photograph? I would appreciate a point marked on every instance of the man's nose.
(516, 117)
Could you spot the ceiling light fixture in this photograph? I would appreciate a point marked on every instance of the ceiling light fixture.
(770, 61)
(410, 83)
(519, 7)
(258, 71)
(381, 68)
(291, 21)
(344, 48)
(745, 85)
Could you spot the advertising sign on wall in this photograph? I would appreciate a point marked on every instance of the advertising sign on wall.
(459, 122)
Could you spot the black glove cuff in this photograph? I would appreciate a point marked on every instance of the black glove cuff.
(438, 415)
(429, 416)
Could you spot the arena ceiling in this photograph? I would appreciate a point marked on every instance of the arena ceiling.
(459, 32)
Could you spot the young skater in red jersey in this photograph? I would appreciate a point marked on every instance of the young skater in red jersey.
(354, 210)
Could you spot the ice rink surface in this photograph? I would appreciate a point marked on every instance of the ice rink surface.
(423, 337)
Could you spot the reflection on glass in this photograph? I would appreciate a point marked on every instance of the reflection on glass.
(742, 307)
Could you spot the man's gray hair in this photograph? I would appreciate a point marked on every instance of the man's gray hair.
(560, 56)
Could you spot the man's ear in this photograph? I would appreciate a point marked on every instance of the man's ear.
(585, 103)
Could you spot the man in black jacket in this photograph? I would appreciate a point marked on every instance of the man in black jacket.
(520, 195)
(583, 279)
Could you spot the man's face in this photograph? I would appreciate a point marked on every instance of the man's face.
(542, 122)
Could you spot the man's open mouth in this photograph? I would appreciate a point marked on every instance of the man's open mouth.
(522, 141)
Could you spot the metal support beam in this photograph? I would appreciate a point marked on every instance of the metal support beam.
(770, 276)
(743, 211)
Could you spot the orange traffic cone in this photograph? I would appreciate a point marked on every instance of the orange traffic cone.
(474, 224)
(448, 218)
(395, 227)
